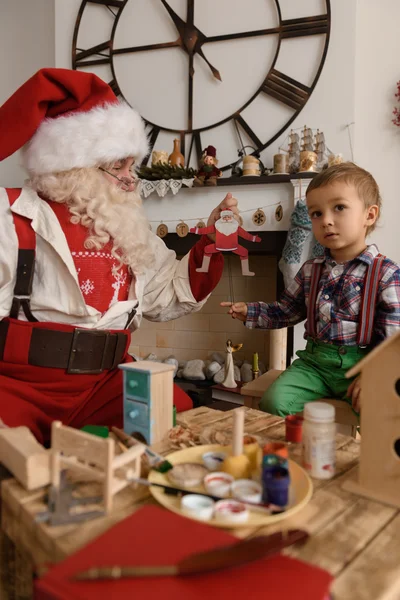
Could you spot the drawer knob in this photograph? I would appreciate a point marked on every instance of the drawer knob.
(133, 414)
(133, 384)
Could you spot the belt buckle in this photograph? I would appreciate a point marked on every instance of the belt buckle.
(74, 352)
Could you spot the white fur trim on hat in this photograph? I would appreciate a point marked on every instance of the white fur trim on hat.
(86, 139)
(225, 212)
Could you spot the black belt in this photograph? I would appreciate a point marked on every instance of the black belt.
(80, 351)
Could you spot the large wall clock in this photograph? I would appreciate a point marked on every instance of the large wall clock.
(221, 72)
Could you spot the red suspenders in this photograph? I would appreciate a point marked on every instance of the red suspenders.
(26, 261)
(368, 303)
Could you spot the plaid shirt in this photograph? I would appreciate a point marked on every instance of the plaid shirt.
(339, 298)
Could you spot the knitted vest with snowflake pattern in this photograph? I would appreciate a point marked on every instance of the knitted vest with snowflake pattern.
(99, 286)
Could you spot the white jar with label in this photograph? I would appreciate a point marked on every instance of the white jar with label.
(319, 431)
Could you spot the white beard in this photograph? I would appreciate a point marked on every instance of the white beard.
(226, 228)
(107, 212)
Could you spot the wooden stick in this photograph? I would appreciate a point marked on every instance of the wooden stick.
(238, 431)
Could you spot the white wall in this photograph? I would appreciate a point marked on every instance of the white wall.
(377, 140)
(26, 45)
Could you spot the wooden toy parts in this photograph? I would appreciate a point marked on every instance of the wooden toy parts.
(229, 381)
(227, 231)
(379, 469)
(148, 392)
(22, 454)
(93, 457)
(237, 465)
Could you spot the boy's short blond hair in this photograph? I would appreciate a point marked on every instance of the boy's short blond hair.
(350, 173)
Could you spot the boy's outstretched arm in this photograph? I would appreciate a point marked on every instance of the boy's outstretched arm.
(289, 310)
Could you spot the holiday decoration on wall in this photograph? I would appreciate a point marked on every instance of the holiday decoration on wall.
(129, 51)
(227, 231)
(162, 230)
(162, 177)
(208, 172)
(259, 217)
(279, 213)
(200, 224)
(182, 229)
(396, 110)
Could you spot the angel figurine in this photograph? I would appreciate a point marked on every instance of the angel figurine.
(229, 381)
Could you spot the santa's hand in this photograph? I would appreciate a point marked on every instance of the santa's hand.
(258, 239)
(228, 202)
(237, 310)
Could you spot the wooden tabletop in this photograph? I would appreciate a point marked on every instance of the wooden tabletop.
(352, 537)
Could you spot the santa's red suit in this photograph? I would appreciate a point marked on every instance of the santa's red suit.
(66, 315)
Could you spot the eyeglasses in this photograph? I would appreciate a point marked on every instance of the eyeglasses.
(125, 181)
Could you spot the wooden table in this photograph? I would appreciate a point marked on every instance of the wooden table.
(357, 540)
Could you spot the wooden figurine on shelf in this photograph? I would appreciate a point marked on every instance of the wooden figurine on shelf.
(229, 381)
(379, 470)
(208, 172)
(227, 231)
(148, 406)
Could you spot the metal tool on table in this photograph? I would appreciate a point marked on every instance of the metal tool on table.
(60, 502)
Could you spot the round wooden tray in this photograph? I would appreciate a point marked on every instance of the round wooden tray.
(300, 489)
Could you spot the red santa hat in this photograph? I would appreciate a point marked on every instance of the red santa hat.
(210, 151)
(227, 212)
(64, 119)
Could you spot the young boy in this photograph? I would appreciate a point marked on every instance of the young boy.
(350, 296)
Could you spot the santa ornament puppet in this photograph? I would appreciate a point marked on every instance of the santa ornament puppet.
(227, 232)
(208, 172)
(79, 267)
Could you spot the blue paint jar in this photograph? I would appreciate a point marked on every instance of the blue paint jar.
(276, 482)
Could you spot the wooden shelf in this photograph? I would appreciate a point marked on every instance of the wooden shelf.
(263, 179)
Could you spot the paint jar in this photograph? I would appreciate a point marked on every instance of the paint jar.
(293, 428)
(276, 486)
(278, 448)
(319, 431)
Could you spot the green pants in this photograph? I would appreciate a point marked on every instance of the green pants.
(319, 372)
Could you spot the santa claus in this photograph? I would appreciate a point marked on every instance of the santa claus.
(79, 267)
(227, 231)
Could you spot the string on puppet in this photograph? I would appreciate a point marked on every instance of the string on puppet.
(232, 299)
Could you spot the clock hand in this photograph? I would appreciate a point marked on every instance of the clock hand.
(213, 69)
(191, 39)
(179, 23)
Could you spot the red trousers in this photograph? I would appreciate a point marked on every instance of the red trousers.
(35, 396)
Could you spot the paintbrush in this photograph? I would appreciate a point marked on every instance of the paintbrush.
(156, 461)
(234, 555)
(173, 491)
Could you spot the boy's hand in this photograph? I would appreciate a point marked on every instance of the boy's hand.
(354, 392)
(238, 310)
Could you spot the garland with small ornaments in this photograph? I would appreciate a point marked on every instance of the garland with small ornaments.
(259, 218)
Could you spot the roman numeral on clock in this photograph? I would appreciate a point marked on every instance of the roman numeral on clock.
(285, 89)
(115, 87)
(99, 50)
(116, 3)
(305, 26)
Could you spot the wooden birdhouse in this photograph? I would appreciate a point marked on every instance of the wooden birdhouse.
(148, 406)
(379, 470)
